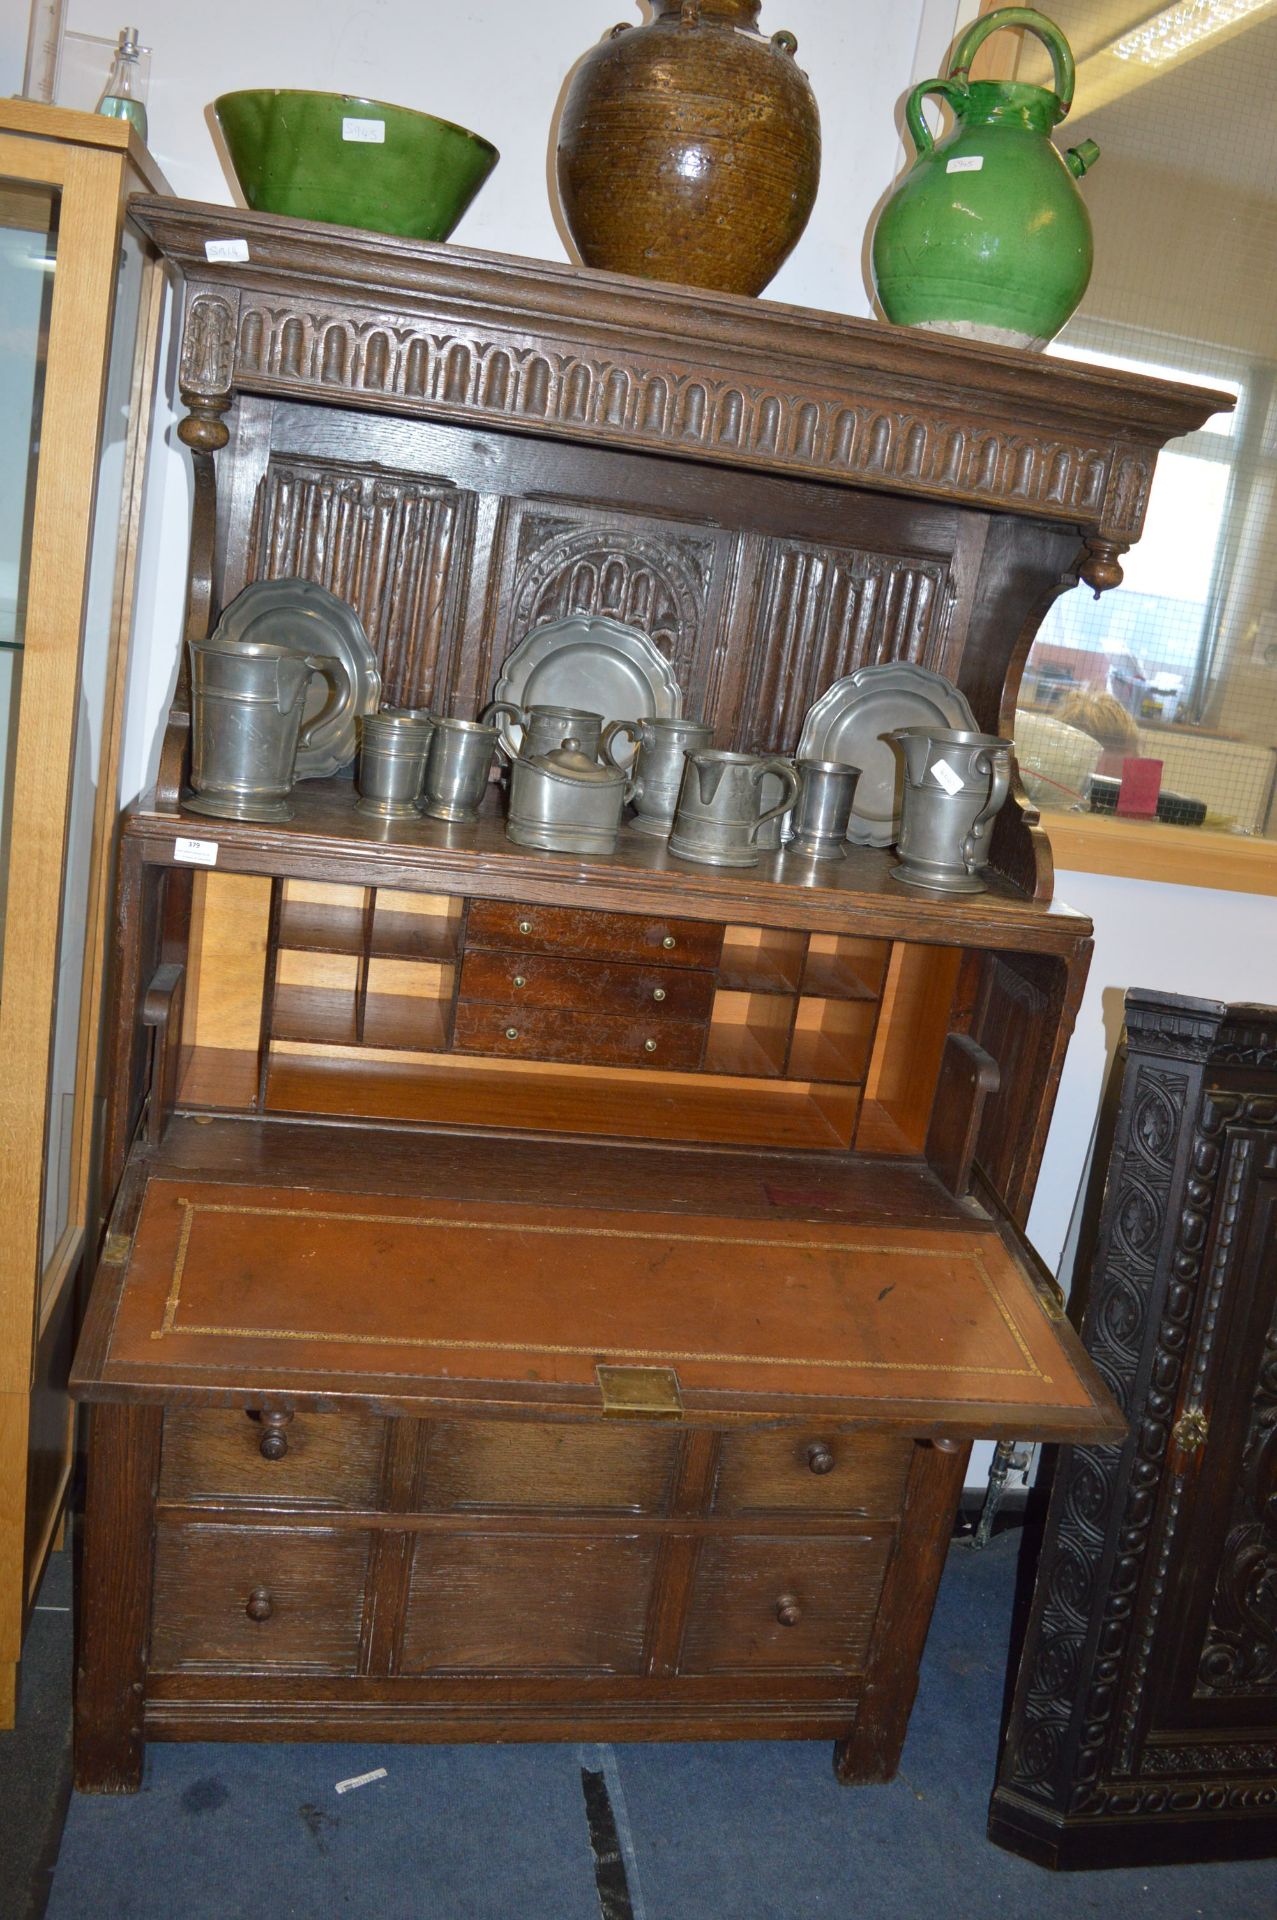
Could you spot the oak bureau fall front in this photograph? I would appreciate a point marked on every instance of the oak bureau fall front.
(552, 1296)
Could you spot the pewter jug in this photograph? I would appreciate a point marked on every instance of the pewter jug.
(955, 784)
(247, 699)
(564, 800)
(720, 808)
(656, 771)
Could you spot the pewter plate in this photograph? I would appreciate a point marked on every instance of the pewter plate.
(307, 619)
(849, 722)
(590, 662)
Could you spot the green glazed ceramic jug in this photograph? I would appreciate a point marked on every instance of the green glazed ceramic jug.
(987, 236)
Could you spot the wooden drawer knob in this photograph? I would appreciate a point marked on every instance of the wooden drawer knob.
(820, 1458)
(273, 1444)
(260, 1605)
(788, 1611)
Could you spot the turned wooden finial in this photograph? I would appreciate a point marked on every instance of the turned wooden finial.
(204, 430)
(1101, 567)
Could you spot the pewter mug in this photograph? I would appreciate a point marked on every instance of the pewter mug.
(719, 811)
(826, 789)
(955, 784)
(457, 768)
(547, 727)
(247, 700)
(656, 769)
(393, 746)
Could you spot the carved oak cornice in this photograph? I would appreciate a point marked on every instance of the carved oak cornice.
(451, 333)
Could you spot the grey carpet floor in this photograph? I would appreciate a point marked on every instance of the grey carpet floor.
(747, 1831)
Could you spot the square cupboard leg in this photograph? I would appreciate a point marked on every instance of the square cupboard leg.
(115, 1598)
(872, 1751)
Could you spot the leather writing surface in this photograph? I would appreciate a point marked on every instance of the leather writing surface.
(278, 1281)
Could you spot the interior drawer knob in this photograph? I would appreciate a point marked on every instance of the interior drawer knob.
(669, 943)
(520, 980)
(273, 1444)
(788, 1611)
(649, 1046)
(512, 1033)
(525, 926)
(658, 993)
(820, 1457)
(260, 1605)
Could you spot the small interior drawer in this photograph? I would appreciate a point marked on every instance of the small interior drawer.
(582, 1039)
(258, 1598)
(312, 1459)
(541, 980)
(791, 1604)
(849, 1473)
(518, 1467)
(612, 936)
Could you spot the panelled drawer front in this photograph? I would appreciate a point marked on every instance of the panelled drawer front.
(614, 936)
(580, 1039)
(528, 1603)
(523, 1468)
(812, 1473)
(258, 1598)
(793, 1604)
(593, 986)
(329, 1459)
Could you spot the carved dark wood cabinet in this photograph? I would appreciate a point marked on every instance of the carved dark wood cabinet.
(548, 1294)
(1144, 1726)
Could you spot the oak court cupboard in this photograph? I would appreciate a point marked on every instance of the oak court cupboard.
(548, 1294)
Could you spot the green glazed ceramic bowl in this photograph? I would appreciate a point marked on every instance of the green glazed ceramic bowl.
(353, 162)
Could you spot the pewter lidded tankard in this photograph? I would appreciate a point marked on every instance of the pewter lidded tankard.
(955, 784)
(247, 701)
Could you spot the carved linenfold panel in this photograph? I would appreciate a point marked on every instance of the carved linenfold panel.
(821, 613)
(656, 400)
(1240, 1649)
(664, 577)
(386, 542)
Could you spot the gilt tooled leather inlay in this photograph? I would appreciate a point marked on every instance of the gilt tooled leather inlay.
(477, 1292)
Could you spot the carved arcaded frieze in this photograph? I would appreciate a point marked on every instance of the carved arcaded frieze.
(386, 542)
(824, 611)
(497, 377)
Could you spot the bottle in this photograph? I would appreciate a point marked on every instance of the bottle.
(124, 96)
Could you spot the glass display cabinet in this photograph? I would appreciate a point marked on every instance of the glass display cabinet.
(80, 302)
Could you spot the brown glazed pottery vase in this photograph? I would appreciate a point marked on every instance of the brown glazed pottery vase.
(689, 148)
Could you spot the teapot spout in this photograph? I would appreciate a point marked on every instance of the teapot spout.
(1082, 158)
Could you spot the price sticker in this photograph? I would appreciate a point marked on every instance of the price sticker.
(196, 853)
(965, 163)
(948, 779)
(226, 249)
(371, 133)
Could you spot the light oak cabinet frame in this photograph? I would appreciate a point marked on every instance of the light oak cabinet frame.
(93, 164)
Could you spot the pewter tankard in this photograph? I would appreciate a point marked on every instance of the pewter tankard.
(657, 767)
(955, 783)
(720, 807)
(247, 700)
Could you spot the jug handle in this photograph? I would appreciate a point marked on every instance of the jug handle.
(999, 786)
(331, 668)
(952, 91)
(790, 778)
(1032, 22)
(610, 732)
